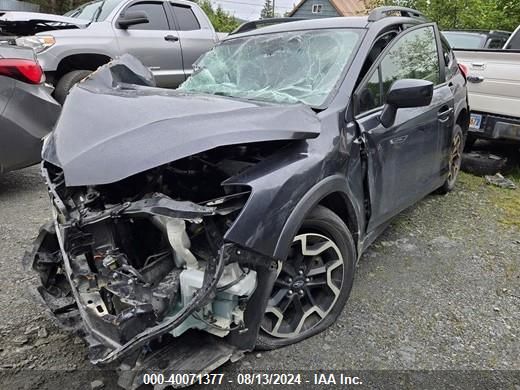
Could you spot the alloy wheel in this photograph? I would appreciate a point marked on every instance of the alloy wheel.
(307, 287)
(455, 157)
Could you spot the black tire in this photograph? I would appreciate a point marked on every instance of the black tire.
(481, 163)
(320, 224)
(455, 160)
(67, 82)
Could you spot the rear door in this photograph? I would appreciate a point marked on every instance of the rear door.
(156, 44)
(196, 39)
(404, 160)
(493, 81)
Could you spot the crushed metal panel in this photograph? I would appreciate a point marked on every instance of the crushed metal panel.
(138, 127)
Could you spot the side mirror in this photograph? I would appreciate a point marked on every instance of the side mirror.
(132, 18)
(405, 93)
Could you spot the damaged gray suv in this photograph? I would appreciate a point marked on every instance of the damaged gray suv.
(193, 225)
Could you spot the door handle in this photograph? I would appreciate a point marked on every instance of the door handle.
(171, 38)
(445, 110)
(475, 79)
(444, 114)
(398, 140)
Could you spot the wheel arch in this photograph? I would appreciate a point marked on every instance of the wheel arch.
(333, 193)
(83, 61)
(462, 119)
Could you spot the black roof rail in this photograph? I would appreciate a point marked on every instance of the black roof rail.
(383, 12)
(256, 24)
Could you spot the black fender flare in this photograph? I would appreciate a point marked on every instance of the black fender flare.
(325, 187)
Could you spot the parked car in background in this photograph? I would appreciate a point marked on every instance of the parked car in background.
(27, 110)
(476, 39)
(237, 206)
(166, 36)
(494, 91)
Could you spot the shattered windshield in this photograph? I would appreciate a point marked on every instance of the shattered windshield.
(288, 67)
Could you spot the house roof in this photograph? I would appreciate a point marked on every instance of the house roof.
(344, 7)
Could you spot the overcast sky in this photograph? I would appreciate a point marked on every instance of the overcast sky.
(250, 9)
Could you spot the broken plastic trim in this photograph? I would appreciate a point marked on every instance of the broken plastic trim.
(212, 275)
(158, 204)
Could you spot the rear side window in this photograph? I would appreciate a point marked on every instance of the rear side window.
(185, 17)
(413, 56)
(156, 16)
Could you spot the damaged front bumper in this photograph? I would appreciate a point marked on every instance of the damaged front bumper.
(132, 278)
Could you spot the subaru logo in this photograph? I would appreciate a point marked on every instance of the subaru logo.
(298, 284)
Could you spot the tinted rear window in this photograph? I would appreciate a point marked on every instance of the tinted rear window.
(185, 18)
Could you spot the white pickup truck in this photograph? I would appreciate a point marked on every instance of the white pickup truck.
(165, 35)
(494, 90)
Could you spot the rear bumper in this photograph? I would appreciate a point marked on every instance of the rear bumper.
(28, 116)
(497, 127)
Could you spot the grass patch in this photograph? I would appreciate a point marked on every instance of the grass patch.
(471, 182)
(508, 201)
(515, 175)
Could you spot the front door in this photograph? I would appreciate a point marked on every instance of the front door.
(156, 44)
(403, 159)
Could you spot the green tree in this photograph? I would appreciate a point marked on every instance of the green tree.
(466, 14)
(57, 6)
(268, 10)
(221, 20)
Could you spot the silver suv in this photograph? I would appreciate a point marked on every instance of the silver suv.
(167, 36)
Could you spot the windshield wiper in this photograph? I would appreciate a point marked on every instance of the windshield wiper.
(96, 14)
(220, 93)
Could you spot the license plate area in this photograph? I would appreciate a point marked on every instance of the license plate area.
(475, 122)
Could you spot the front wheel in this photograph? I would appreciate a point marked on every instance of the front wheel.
(313, 284)
(455, 160)
(67, 82)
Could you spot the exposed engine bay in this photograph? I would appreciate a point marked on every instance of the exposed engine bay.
(139, 261)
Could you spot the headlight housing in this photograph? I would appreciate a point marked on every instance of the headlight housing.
(38, 43)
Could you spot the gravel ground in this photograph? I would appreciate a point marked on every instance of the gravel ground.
(439, 290)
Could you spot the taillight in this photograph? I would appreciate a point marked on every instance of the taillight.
(464, 69)
(24, 70)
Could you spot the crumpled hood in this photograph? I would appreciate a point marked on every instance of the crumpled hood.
(22, 23)
(110, 129)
